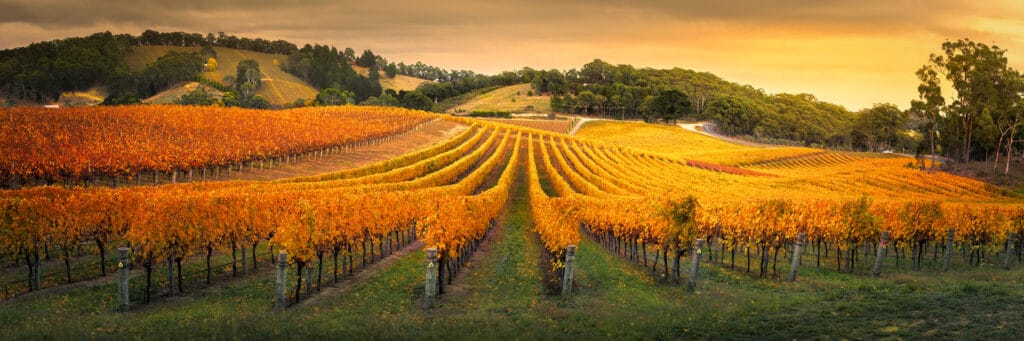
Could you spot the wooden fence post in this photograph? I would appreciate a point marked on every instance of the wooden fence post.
(1009, 251)
(795, 265)
(692, 281)
(170, 273)
(36, 281)
(949, 251)
(430, 290)
(245, 264)
(309, 278)
(880, 256)
(281, 301)
(122, 277)
(570, 258)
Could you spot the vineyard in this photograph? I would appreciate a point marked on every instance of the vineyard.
(554, 126)
(637, 197)
(83, 144)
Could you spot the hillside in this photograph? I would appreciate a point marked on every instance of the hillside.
(170, 95)
(399, 83)
(515, 99)
(679, 143)
(278, 87)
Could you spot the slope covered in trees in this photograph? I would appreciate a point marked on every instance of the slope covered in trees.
(131, 68)
(627, 92)
(276, 86)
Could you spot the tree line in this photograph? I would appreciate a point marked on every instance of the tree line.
(325, 67)
(984, 117)
(626, 92)
(41, 71)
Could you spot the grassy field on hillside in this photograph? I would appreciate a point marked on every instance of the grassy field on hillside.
(170, 95)
(278, 87)
(513, 99)
(399, 83)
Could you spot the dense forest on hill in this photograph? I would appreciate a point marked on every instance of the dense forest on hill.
(627, 92)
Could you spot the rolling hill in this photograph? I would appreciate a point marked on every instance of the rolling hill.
(399, 83)
(278, 88)
(513, 98)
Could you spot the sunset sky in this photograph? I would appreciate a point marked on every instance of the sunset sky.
(851, 52)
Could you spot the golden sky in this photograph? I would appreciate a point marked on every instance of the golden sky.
(854, 53)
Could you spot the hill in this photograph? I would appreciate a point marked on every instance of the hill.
(278, 87)
(514, 98)
(399, 83)
(169, 96)
(679, 143)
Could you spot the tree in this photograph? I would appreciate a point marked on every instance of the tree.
(324, 67)
(387, 98)
(230, 99)
(211, 64)
(242, 74)
(734, 115)
(350, 54)
(437, 91)
(246, 90)
(880, 126)
(416, 100)
(978, 74)
(199, 96)
(123, 99)
(391, 70)
(252, 76)
(1012, 120)
(256, 102)
(333, 96)
(930, 102)
(170, 69)
(669, 105)
(367, 59)
(586, 100)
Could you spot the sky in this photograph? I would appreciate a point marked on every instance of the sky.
(851, 52)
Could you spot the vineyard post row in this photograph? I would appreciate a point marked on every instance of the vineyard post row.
(180, 202)
(460, 223)
(82, 144)
(984, 231)
(208, 172)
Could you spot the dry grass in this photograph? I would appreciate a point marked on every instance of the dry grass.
(399, 83)
(170, 95)
(512, 98)
(79, 98)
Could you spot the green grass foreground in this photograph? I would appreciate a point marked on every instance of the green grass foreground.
(503, 297)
